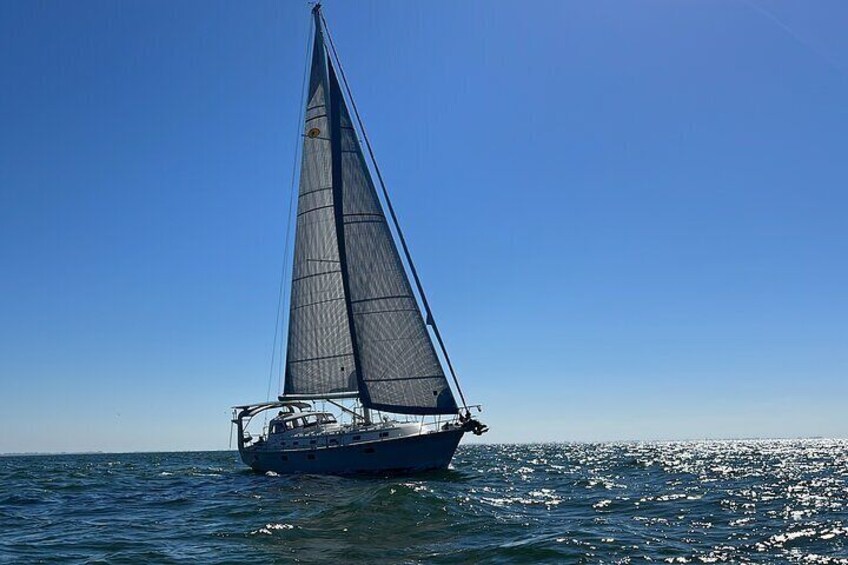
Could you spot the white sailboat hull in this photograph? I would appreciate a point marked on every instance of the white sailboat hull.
(407, 454)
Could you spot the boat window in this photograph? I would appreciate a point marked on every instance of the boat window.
(329, 419)
(357, 438)
(384, 434)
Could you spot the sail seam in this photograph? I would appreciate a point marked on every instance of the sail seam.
(403, 378)
(364, 214)
(314, 209)
(390, 339)
(315, 275)
(317, 303)
(381, 298)
(316, 190)
(386, 312)
(321, 358)
(377, 221)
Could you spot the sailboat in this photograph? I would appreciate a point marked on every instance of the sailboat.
(359, 340)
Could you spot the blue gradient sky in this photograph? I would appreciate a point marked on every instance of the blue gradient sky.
(630, 216)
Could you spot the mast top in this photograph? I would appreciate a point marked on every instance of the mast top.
(316, 8)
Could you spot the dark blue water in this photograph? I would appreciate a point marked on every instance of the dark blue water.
(735, 501)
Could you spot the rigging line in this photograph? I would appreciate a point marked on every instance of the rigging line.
(430, 319)
(814, 47)
(281, 293)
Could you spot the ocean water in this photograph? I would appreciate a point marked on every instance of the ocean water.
(681, 502)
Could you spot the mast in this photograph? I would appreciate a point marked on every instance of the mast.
(338, 197)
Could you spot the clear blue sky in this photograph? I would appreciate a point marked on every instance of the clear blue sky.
(631, 217)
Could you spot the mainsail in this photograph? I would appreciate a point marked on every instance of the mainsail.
(320, 357)
(355, 324)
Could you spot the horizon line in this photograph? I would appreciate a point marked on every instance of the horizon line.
(572, 442)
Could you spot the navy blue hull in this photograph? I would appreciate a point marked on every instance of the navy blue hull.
(403, 455)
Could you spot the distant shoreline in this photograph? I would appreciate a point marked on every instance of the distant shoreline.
(626, 441)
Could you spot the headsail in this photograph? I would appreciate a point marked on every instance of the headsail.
(320, 357)
(355, 323)
(398, 367)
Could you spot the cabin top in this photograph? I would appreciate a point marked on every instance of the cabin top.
(285, 422)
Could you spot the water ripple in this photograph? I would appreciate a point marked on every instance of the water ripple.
(675, 502)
